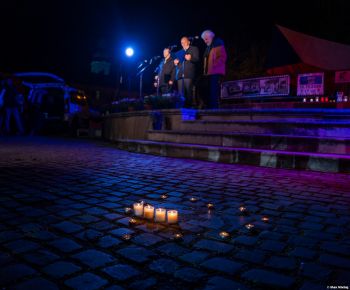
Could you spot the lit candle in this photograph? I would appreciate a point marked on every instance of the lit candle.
(242, 209)
(249, 226)
(193, 199)
(128, 210)
(178, 236)
(132, 221)
(224, 235)
(126, 237)
(210, 206)
(148, 212)
(265, 219)
(172, 216)
(164, 196)
(160, 215)
(138, 209)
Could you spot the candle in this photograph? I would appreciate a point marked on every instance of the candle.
(148, 212)
(138, 208)
(126, 237)
(249, 226)
(164, 196)
(193, 199)
(265, 219)
(224, 235)
(210, 206)
(132, 221)
(160, 215)
(172, 216)
(128, 210)
(242, 209)
(178, 236)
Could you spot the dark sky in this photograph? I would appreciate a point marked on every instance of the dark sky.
(63, 36)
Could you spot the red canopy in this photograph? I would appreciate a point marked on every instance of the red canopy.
(317, 52)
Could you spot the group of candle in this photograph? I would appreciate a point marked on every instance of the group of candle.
(159, 215)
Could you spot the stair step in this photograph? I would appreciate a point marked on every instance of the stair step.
(328, 128)
(274, 114)
(257, 157)
(259, 141)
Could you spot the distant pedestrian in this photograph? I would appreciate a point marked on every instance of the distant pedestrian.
(12, 104)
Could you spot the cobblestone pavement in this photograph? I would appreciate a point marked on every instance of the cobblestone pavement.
(63, 222)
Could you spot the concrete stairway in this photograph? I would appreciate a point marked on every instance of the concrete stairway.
(306, 139)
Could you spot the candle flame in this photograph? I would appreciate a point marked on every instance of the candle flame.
(242, 208)
(265, 219)
(126, 237)
(224, 234)
(249, 226)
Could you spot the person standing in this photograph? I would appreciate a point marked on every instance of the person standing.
(166, 73)
(214, 66)
(12, 105)
(185, 62)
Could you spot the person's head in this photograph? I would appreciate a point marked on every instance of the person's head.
(185, 42)
(166, 52)
(208, 36)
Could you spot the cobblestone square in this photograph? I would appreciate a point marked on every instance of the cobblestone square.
(64, 225)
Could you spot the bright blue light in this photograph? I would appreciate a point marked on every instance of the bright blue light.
(129, 52)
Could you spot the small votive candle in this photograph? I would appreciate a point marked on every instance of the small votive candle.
(178, 236)
(138, 209)
(126, 237)
(148, 212)
(224, 235)
(249, 226)
(265, 219)
(160, 215)
(193, 199)
(163, 196)
(242, 209)
(128, 210)
(132, 221)
(210, 206)
(172, 216)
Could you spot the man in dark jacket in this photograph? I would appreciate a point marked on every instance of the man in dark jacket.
(166, 73)
(214, 66)
(186, 60)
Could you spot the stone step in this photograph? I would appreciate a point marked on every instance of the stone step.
(321, 128)
(274, 114)
(257, 157)
(257, 141)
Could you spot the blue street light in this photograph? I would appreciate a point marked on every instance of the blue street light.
(129, 52)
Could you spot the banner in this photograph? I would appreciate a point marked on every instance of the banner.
(257, 87)
(310, 84)
(342, 76)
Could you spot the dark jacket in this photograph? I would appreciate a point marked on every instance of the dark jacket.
(166, 71)
(10, 97)
(187, 69)
(215, 58)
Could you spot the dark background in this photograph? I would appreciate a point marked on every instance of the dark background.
(63, 37)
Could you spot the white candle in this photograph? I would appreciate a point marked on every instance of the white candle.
(138, 209)
(172, 216)
(148, 212)
(160, 215)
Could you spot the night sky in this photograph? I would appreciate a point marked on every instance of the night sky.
(63, 37)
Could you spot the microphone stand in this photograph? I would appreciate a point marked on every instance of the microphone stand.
(140, 74)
